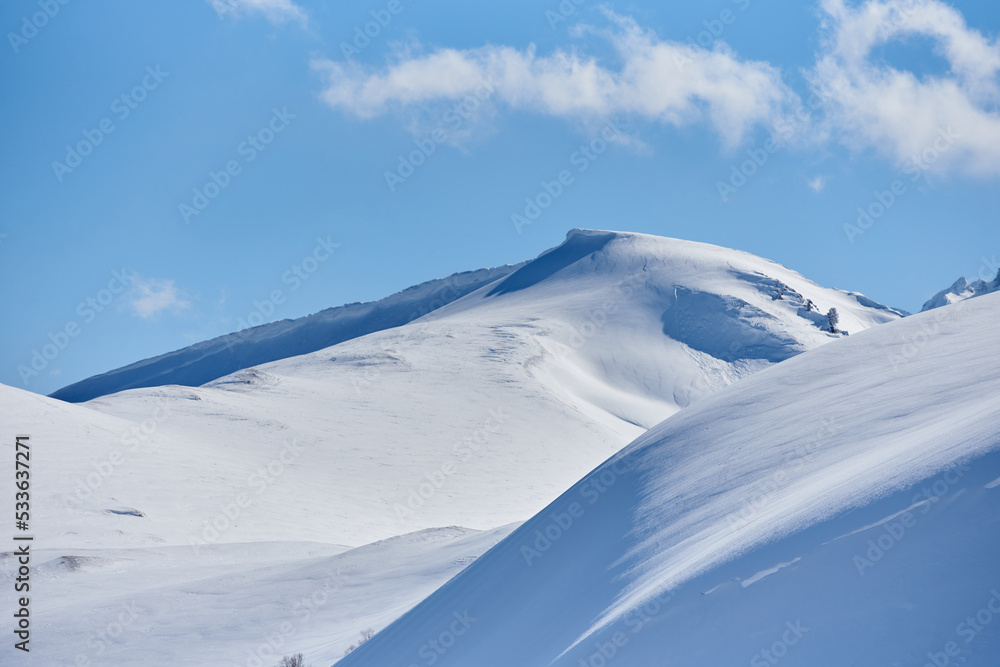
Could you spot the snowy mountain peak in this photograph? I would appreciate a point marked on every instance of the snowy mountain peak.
(727, 304)
(472, 401)
(555, 364)
(962, 289)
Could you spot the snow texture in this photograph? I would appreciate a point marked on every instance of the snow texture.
(402, 455)
(839, 508)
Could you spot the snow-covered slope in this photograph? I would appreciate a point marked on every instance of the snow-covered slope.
(231, 604)
(112, 584)
(485, 411)
(960, 290)
(209, 360)
(842, 507)
(472, 417)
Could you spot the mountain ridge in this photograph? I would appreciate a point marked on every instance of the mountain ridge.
(211, 359)
(962, 289)
(215, 358)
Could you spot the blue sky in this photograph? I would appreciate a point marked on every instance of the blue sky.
(212, 153)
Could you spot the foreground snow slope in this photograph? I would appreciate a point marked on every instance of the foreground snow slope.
(115, 585)
(483, 412)
(245, 604)
(840, 508)
(211, 359)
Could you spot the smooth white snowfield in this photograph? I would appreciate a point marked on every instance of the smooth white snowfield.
(112, 584)
(234, 499)
(841, 508)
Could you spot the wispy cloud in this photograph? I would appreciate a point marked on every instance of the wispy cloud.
(662, 81)
(867, 104)
(276, 11)
(817, 184)
(151, 297)
(897, 112)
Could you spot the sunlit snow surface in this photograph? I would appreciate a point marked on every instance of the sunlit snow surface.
(214, 510)
(841, 508)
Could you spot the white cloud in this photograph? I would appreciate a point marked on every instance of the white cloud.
(922, 122)
(661, 81)
(900, 114)
(817, 184)
(276, 11)
(151, 297)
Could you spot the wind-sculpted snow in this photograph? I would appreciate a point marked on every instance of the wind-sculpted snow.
(837, 508)
(726, 328)
(576, 248)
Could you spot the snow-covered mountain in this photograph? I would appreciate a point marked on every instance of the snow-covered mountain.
(501, 399)
(960, 290)
(839, 508)
(209, 360)
(423, 443)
